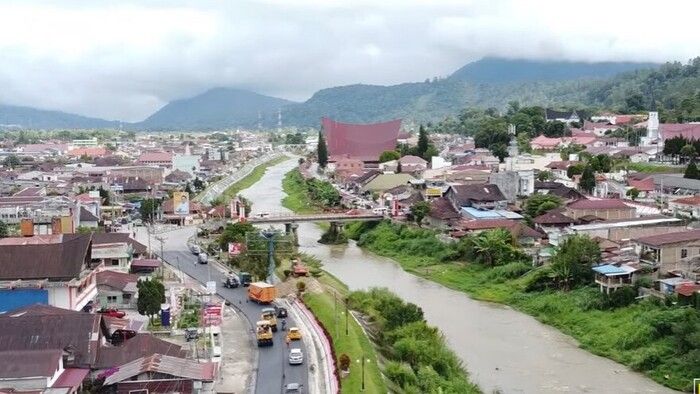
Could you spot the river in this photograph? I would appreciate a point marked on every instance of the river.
(504, 350)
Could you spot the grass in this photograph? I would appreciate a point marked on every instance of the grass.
(629, 335)
(297, 199)
(251, 178)
(650, 168)
(355, 344)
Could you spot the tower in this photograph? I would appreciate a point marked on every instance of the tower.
(653, 126)
(279, 120)
(513, 150)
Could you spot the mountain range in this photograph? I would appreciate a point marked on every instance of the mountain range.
(489, 82)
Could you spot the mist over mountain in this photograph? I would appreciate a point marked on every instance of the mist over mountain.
(489, 82)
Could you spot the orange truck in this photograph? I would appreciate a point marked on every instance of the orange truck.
(261, 292)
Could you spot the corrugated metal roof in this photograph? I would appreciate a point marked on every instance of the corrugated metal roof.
(174, 366)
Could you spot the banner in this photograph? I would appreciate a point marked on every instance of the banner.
(181, 203)
(235, 248)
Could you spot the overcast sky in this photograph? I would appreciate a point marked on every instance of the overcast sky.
(125, 59)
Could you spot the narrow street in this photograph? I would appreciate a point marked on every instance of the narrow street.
(273, 369)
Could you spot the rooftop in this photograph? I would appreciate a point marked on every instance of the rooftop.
(670, 238)
(62, 260)
(609, 203)
(363, 141)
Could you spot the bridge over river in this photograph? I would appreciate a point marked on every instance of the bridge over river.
(277, 218)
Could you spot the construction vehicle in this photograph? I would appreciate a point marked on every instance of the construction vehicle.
(263, 333)
(270, 315)
(245, 278)
(294, 334)
(231, 281)
(261, 292)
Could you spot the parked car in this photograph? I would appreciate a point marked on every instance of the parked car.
(112, 312)
(296, 357)
(293, 388)
(121, 335)
(294, 334)
(203, 258)
(195, 249)
(281, 312)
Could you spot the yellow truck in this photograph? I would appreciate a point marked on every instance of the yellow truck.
(270, 315)
(261, 292)
(263, 333)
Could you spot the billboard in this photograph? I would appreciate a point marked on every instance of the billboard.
(433, 192)
(235, 248)
(181, 203)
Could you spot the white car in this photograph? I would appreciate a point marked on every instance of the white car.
(296, 357)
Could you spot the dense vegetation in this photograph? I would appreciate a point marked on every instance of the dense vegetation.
(418, 359)
(651, 336)
(308, 195)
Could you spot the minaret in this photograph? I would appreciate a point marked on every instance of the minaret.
(513, 150)
(653, 126)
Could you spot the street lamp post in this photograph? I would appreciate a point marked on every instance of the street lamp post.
(346, 316)
(363, 370)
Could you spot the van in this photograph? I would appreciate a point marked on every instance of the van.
(379, 211)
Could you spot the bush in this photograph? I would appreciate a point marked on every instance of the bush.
(400, 373)
(344, 362)
(538, 279)
(301, 287)
(509, 271)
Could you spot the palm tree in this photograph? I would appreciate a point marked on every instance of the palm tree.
(494, 246)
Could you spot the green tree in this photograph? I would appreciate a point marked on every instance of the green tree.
(4, 230)
(575, 169)
(499, 150)
(545, 175)
(587, 182)
(633, 193)
(688, 151)
(11, 161)
(151, 294)
(234, 232)
(691, 171)
(601, 163)
(389, 155)
(322, 150)
(523, 140)
(538, 204)
(149, 209)
(572, 263)
(423, 142)
(419, 211)
(555, 129)
(495, 247)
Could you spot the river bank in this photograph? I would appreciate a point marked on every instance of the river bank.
(645, 335)
(504, 350)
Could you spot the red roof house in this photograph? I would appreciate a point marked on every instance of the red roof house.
(360, 141)
(689, 131)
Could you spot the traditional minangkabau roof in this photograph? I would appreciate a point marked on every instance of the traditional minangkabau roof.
(362, 141)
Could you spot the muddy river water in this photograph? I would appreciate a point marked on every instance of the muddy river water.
(504, 350)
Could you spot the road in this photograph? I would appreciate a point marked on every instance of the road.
(219, 187)
(273, 368)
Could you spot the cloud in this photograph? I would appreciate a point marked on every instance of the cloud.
(125, 59)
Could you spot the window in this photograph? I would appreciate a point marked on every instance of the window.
(684, 253)
(126, 297)
(115, 261)
(111, 299)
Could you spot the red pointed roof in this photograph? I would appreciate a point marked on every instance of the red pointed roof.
(361, 141)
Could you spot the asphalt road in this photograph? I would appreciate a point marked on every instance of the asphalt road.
(273, 366)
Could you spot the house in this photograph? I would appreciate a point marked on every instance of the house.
(178, 176)
(159, 373)
(383, 182)
(87, 219)
(514, 184)
(116, 289)
(50, 269)
(558, 189)
(113, 256)
(562, 116)
(559, 168)
(689, 131)
(160, 159)
(545, 143)
(486, 196)
(412, 164)
(687, 207)
(442, 214)
(144, 266)
(91, 152)
(77, 335)
(137, 248)
(669, 285)
(364, 142)
(645, 186)
(611, 277)
(524, 234)
(598, 129)
(553, 220)
(40, 371)
(664, 252)
(626, 229)
(347, 167)
(605, 209)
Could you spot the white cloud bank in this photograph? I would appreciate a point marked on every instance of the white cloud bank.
(125, 59)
